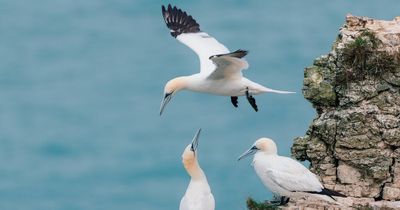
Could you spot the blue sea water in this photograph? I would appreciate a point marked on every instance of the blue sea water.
(81, 84)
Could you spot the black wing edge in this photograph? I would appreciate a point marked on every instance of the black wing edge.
(328, 192)
(178, 21)
(237, 54)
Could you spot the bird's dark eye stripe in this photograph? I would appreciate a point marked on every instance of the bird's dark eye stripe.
(254, 148)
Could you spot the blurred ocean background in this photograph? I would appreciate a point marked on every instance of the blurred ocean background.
(81, 84)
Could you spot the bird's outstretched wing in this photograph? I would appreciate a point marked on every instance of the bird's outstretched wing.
(186, 30)
(229, 66)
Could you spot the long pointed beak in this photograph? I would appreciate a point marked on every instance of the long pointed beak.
(164, 102)
(250, 151)
(195, 141)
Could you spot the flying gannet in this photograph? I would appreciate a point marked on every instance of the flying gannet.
(285, 176)
(220, 69)
(198, 195)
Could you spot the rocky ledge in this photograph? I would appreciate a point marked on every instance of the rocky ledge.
(354, 142)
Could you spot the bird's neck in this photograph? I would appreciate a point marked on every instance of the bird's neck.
(262, 154)
(192, 82)
(194, 170)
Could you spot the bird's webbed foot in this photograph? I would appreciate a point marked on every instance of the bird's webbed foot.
(284, 200)
(274, 202)
(234, 100)
(251, 100)
(279, 201)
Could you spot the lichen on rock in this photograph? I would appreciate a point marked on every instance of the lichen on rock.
(354, 142)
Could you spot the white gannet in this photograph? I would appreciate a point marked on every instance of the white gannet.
(198, 195)
(285, 176)
(220, 69)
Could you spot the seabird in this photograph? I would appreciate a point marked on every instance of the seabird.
(198, 195)
(220, 69)
(285, 176)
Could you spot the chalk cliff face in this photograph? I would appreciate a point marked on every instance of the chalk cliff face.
(354, 142)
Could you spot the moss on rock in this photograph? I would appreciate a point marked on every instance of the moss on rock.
(253, 205)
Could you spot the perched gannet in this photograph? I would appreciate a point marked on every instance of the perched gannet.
(285, 176)
(220, 69)
(198, 195)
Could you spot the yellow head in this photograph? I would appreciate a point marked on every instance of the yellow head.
(264, 145)
(170, 89)
(189, 158)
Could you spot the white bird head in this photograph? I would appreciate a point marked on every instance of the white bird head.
(264, 145)
(189, 154)
(170, 89)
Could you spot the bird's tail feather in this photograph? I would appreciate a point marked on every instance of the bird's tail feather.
(325, 198)
(329, 192)
(269, 90)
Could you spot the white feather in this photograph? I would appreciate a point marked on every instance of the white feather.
(228, 67)
(204, 46)
(219, 75)
(198, 196)
(285, 175)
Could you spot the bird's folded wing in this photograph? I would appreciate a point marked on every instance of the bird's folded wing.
(186, 30)
(295, 182)
(229, 66)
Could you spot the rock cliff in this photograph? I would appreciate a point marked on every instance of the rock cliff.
(354, 142)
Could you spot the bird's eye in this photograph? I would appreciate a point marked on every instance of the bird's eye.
(254, 148)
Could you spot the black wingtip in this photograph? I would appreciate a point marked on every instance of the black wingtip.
(179, 21)
(240, 53)
(329, 193)
(237, 54)
(163, 10)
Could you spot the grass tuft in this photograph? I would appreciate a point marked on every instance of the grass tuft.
(253, 205)
(361, 58)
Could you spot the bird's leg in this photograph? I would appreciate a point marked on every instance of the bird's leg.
(234, 100)
(251, 100)
(284, 200)
(279, 201)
